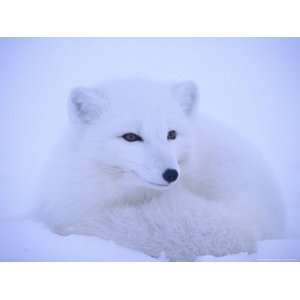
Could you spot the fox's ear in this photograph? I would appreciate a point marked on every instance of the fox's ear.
(186, 93)
(85, 105)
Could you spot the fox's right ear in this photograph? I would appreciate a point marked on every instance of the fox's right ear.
(85, 105)
(186, 93)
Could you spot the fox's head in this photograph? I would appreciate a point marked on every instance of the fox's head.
(136, 130)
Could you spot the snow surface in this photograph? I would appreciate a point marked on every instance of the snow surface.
(31, 241)
(251, 85)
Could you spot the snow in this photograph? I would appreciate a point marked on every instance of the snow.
(250, 84)
(268, 250)
(27, 240)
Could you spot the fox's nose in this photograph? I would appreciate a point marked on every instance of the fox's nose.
(170, 175)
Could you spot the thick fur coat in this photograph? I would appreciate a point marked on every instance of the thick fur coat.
(108, 175)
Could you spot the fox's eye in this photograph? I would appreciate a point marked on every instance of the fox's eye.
(172, 135)
(131, 137)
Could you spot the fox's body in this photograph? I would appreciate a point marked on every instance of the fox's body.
(141, 167)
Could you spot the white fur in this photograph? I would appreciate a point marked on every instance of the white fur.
(99, 184)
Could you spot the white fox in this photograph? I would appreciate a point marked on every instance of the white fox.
(140, 165)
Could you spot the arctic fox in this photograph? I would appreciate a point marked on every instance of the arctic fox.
(141, 166)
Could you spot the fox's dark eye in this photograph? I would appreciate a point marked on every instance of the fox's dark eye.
(172, 135)
(131, 137)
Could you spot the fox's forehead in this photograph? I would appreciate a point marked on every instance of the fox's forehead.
(141, 106)
(152, 121)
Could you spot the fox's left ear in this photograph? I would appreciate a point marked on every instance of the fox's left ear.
(85, 105)
(186, 93)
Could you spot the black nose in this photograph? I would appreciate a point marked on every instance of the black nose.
(170, 175)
